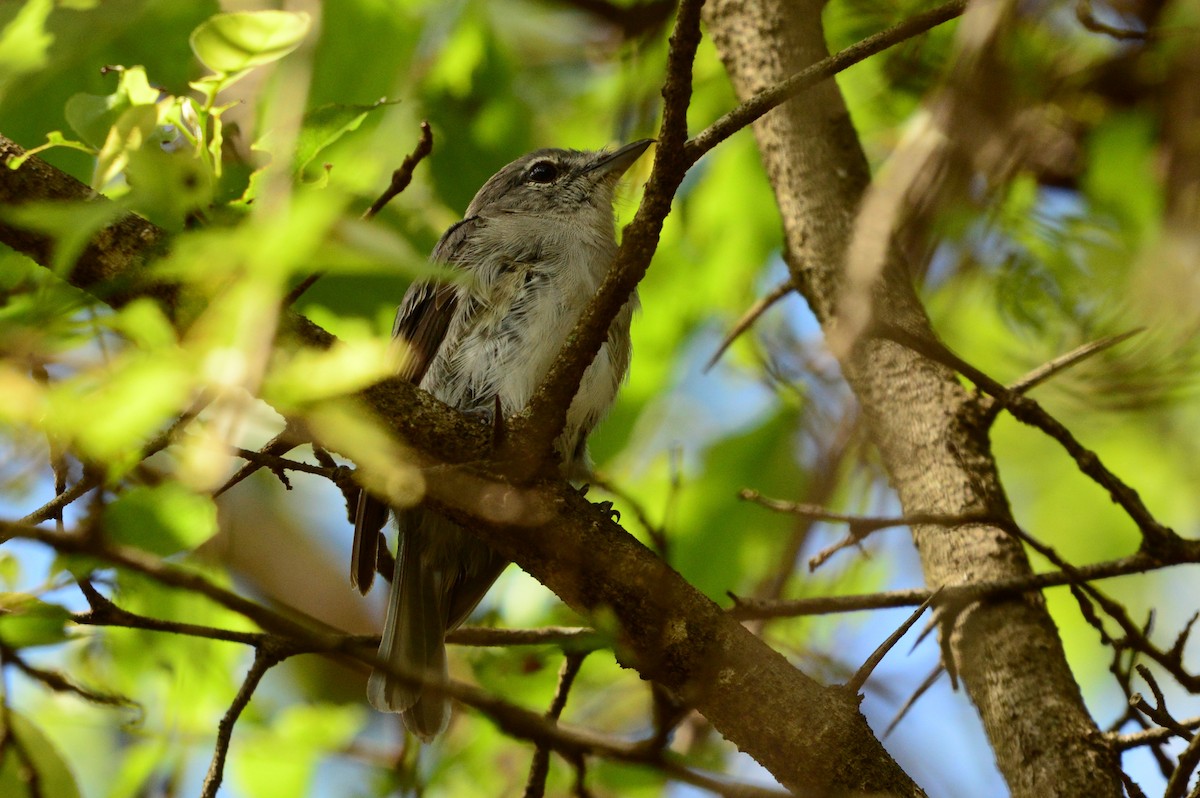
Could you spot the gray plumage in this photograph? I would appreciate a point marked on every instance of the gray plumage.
(535, 244)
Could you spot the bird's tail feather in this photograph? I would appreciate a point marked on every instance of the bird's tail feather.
(414, 641)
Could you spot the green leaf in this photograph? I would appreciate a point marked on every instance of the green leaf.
(163, 520)
(28, 621)
(133, 128)
(54, 777)
(93, 115)
(325, 125)
(231, 43)
(25, 42)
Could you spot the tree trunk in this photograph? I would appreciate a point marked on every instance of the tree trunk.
(938, 458)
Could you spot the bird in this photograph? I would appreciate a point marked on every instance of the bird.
(531, 250)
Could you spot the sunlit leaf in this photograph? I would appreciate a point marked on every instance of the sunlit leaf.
(310, 375)
(25, 42)
(28, 621)
(325, 125)
(230, 43)
(164, 519)
(91, 115)
(384, 464)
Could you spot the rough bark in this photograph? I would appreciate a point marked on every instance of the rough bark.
(1007, 651)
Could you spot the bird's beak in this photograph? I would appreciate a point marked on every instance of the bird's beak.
(614, 164)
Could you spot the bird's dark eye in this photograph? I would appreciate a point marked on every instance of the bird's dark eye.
(543, 172)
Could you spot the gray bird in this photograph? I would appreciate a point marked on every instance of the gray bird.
(536, 242)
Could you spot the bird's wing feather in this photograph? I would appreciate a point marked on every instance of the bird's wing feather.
(421, 323)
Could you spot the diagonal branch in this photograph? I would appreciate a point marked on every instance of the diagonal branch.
(755, 107)
(535, 430)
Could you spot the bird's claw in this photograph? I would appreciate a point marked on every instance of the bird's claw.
(606, 507)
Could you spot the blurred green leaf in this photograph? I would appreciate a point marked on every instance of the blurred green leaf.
(231, 43)
(164, 519)
(28, 621)
(92, 116)
(323, 126)
(54, 778)
(304, 732)
(25, 42)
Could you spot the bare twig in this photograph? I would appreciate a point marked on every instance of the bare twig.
(1157, 711)
(401, 177)
(922, 688)
(59, 683)
(535, 430)
(1069, 359)
(104, 612)
(951, 594)
(749, 317)
(860, 526)
(280, 445)
(264, 659)
(539, 768)
(569, 638)
(1152, 736)
(92, 477)
(1156, 538)
(1189, 760)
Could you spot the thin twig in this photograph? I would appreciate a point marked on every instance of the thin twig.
(103, 612)
(860, 526)
(1189, 760)
(569, 638)
(1141, 562)
(539, 768)
(534, 431)
(1069, 359)
(922, 688)
(264, 659)
(401, 177)
(1152, 736)
(749, 317)
(281, 444)
(61, 684)
(1156, 538)
(1157, 712)
(92, 477)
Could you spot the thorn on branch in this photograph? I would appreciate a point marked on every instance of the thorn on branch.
(854, 686)
(922, 688)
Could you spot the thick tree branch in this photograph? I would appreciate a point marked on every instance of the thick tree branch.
(937, 457)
